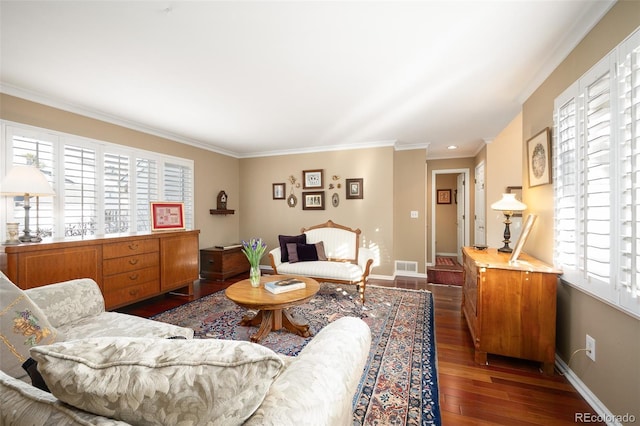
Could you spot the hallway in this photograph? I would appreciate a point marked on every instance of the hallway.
(447, 270)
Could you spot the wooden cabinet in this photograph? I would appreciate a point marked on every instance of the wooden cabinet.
(220, 264)
(179, 266)
(510, 308)
(128, 268)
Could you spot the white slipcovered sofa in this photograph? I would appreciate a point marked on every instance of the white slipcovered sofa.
(344, 261)
(108, 368)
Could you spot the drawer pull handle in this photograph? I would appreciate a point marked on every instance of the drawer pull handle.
(133, 262)
(133, 246)
(133, 292)
(133, 277)
(211, 261)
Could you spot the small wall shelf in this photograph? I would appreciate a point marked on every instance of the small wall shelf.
(221, 211)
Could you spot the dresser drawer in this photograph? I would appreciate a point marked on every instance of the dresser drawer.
(130, 263)
(132, 293)
(131, 278)
(114, 250)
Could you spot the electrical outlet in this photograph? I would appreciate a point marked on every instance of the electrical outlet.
(414, 214)
(591, 347)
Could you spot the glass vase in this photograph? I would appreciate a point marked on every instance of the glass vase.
(254, 276)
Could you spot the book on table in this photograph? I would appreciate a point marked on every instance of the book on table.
(287, 284)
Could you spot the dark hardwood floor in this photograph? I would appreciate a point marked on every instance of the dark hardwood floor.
(505, 392)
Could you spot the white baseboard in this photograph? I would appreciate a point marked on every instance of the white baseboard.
(595, 403)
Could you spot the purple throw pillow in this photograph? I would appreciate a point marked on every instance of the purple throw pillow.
(320, 251)
(306, 252)
(292, 250)
(285, 239)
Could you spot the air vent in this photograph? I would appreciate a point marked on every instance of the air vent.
(406, 266)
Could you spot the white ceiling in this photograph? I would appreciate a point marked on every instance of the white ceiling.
(272, 77)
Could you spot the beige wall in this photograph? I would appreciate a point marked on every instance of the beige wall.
(615, 376)
(267, 218)
(502, 169)
(409, 194)
(213, 172)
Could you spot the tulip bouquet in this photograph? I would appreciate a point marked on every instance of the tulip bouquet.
(254, 250)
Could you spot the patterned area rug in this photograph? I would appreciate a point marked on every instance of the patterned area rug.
(447, 271)
(448, 261)
(399, 385)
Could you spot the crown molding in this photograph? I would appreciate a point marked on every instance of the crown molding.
(408, 147)
(324, 148)
(11, 90)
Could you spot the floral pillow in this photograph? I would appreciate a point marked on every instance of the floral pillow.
(151, 381)
(22, 325)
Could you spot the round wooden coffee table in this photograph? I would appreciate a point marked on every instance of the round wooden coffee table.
(272, 314)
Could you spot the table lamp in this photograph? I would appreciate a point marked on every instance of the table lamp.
(508, 205)
(27, 181)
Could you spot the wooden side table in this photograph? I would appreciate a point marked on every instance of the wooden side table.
(219, 263)
(272, 314)
(510, 307)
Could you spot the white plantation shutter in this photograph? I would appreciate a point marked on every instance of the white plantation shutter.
(565, 182)
(629, 136)
(117, 200)
(146, 191)
(178, 186)
(597, 179)
(80, 191)
(595, 215)
(34, 149)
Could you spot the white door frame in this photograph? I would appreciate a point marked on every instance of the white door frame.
(434, 173)
(461, 183)
(480, 223)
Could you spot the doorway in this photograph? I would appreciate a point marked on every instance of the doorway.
(459, 196)
(480, 232)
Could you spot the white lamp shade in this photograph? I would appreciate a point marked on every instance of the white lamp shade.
(23, 180)
(508, 203)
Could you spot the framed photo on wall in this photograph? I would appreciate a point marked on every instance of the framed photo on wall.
(312, 179)
(313, 200)
(539, 158)
(278, 191)
(444, 196)
(167, 216)
(355, 189)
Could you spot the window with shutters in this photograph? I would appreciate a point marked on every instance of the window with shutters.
(116, 193)
(597, 181)
(80, 188)
(101, 188)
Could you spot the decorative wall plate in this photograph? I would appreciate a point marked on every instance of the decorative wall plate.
(335, 199)
(292, 200)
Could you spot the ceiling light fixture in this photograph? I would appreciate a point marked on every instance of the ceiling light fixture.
(452, 147)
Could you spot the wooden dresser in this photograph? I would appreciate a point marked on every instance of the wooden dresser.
(510, 308)
(128, 268)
